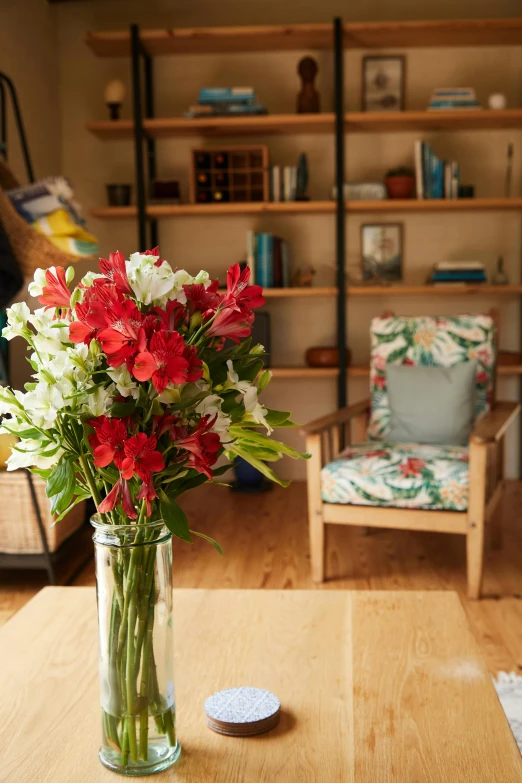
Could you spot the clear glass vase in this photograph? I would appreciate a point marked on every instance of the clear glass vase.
(134, 590)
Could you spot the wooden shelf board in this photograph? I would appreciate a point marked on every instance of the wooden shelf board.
(360, 371)
(365, 35)
(311, 207)
(484, 289)
(217, 210)
(444, 120)
(289, 293)
(269, 124)
(435, 205)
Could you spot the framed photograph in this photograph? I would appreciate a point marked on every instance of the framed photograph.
(381, 246)
(383, 83)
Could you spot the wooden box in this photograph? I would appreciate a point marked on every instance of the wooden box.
(19, 532)
(223, 175)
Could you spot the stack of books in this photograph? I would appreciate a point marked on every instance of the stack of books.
(283, 183)
(458, 273)
(226, 102)
(269, 260)
(453, 98)
(435, 178)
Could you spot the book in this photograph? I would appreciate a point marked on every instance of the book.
(285, 264)
(278, 265)
(419, 179)
(251, 254)
(459, 277)
(265, 260)
(289, 183)
(227, 94)
(225, 110)
(275, 183)
(450, 266)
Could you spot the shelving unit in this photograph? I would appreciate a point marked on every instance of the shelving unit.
(143, 45)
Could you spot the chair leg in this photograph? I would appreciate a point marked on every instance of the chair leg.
(315, 508)
(476, 517)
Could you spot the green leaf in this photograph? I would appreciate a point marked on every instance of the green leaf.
(250, 372)
(176, 520)
(61, 485)
(258, 439)
(121, 409)
(278, 418)
(77, 499)
(61, 475)
(257, 463)
(210, 541)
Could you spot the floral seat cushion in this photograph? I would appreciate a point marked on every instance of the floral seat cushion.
(407, 475)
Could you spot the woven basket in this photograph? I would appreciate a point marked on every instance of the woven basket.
(19, 531)
(31, 249)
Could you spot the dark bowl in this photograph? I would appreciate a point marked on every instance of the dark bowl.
(324, 356)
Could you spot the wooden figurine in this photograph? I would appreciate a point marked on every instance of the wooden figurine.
(308, 98)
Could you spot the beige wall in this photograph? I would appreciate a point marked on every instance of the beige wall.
(214, 243)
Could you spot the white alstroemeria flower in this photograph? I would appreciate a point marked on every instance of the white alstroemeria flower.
(124, 381)
(17, 316)
(149, 282)
(255, 412)
(171, 395)
(39, 281)
(99, 402)
(51, 335)
(181, 278)
(233, 381)
(211, 406)
(29, 456)
(43, 404)
(10, 402)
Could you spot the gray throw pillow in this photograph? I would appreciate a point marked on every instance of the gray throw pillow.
(431, 404)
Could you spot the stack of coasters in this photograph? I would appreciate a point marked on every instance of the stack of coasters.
(242, 712)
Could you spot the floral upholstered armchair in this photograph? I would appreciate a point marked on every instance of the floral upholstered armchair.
(372, 482)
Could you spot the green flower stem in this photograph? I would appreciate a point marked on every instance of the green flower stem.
(168, 720)
(144, 685)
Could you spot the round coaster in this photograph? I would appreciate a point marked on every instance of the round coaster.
(242, 712)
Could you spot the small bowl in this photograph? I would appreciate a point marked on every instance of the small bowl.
(119, 195)
(323, 356)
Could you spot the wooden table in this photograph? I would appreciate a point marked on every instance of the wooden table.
(375, 687)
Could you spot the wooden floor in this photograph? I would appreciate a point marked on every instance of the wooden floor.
(265, 545)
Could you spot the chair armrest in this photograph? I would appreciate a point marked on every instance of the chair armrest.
(492, 426)
(338, 417)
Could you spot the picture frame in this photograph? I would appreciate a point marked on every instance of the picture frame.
(382, 251)
(383, 83)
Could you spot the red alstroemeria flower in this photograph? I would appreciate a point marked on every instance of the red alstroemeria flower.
(201, 299)
(55, 293)
(141, 457)
(240, 295)
(148, 494)
(233, 324)
(91, 315)
(107, 441)
(115, 271)
(120, 493)
(195, 365)
(411, 467)
(169, 317)
(163, 362)
(125, 336)
(203, 446)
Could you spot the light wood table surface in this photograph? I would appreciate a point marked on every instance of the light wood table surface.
(375, 687)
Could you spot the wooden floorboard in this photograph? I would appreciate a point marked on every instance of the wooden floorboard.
(265, 543)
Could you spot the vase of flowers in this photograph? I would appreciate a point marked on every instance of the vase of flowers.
(146, 385)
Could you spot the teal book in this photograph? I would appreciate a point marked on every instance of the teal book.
(265, 260)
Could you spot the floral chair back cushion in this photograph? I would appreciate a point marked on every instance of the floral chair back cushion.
(440, 341)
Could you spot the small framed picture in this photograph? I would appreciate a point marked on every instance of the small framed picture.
(381, 245)
(383, 83)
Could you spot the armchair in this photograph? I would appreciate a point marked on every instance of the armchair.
(445, 489)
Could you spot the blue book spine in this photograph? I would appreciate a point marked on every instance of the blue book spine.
(426, 170)
(225, 95)
(265, 261)
(459, 276)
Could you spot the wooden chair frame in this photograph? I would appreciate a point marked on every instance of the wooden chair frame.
(486, 480)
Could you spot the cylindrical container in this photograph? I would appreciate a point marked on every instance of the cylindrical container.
(134, 591)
